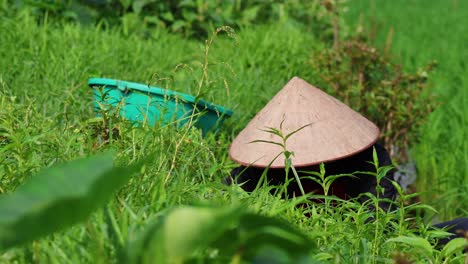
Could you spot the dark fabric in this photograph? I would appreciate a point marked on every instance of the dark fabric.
(248, 178)
(458, 227)
(345, 187)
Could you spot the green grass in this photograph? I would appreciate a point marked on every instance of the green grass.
(426, 31)
(45, 104)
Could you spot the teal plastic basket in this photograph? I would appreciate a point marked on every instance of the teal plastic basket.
(147, 104)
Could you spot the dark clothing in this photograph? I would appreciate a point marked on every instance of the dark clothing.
(345, 187)
(458, 227)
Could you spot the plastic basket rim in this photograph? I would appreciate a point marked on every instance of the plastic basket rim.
(124, 85)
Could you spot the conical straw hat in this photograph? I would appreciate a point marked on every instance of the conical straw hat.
(335, 131)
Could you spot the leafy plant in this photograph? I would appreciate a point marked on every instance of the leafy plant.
(287, 154)
(450, 253)
(370, 83)
(190, 17)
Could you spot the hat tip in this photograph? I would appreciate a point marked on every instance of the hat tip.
(295, 79)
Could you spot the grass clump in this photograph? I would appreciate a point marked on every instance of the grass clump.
(423, 33)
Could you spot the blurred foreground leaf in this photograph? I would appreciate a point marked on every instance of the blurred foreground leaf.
(231, 234)
(58, 197)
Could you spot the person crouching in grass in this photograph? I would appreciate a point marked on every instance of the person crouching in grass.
(306, 127)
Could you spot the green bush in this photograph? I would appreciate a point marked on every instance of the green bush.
(189, 17)
(369, 82)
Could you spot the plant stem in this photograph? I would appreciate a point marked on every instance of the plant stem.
(298, 180)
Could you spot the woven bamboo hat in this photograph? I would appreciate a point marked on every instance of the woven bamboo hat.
(332, 130)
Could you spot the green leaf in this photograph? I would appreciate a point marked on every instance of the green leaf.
(273, 131)
(188, 229)
(125, 3)
(417, 242)
(178, 25)
(457, 244)
(436, 233)
(267, 141)
(183, 232)
(331, 178)
(262, 230)
(382, 171)
(323, 256)
(417, 206)
(363, 250)
(180, 233)
(295, 131)
(167, 16)
(138, 5)
(249, 14)
(272, 255)
(58, 197)
(322, 168)
(375, 158)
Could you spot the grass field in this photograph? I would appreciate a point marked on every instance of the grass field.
(46, 105)
(433, 30)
